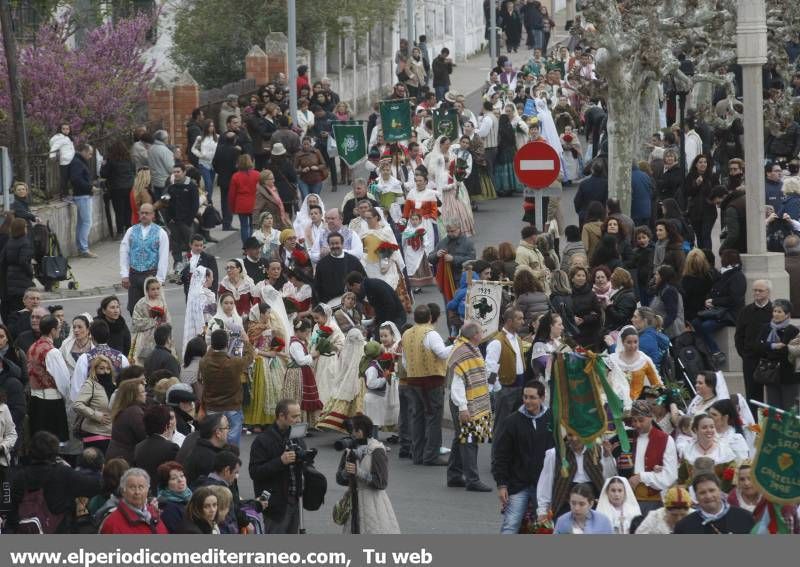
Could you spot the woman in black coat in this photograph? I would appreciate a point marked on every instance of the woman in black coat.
(110, 311)
(623, 301)
(512, 26)
(695, 194)
(119, 172)
(724, 302)
(695, 283)
(588, 315)
(15, 260)
(285, 180)
(774, 346)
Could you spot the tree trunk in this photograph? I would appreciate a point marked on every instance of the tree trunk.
(15, 93)
(649, 120)
(623, 126)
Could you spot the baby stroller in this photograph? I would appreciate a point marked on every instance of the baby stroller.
(52, 266)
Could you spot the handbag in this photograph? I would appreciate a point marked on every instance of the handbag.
(55, 268)
(712, 314)
(77, 429)
(342, 509)
(211, 217)
(768, 372)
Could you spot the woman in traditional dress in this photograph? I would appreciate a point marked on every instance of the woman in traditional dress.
(449, 184)
(389, 336)
(390, 190)
(726, 422)
(546, 341)
(747, 496)
(480, 185)
(200, 305)
(706, 444)
(631, 366)
(382, 256)
(370, 371)
(238, 284)
(366, 469)
(149, 312)
(348, 397)
(327, 363)
(78, 341)
(618, 502)
(228, 319)
(269, 367)
(505, 180)
(423, 200)
(299, 383)
(573, 154)
(707, 386)
(302, 220)
(268, 236)
(417, 244)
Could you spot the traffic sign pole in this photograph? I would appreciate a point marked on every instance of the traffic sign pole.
(537, 165)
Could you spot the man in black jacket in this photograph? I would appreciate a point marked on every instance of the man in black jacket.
(197, 458)
(20, 321)
(157, 448)
(11, 383)
(161, 358)
(752, 320)
(594, 188)
(711, 516)
(224, 164)
(198, 256)
(184, 201)
(521, 443)
(442, 68)
(80, 176)
(275, 468)
(194, 129)
(380, 296)
(225, 472)
(334, 268)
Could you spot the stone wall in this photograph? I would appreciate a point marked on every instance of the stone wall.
(62, 217)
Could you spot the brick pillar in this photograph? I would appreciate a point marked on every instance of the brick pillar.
(159, 105)
(277, 46)
(185, 98)
(256, 65)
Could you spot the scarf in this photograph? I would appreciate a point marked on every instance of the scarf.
(659, 252)
(603, 293)
(167, 495)
(774, 328)
(107, 382)
(708, 518)
(142, 513)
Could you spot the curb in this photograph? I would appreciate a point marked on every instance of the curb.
(117, 288)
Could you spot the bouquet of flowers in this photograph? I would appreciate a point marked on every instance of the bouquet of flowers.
(458, 169)
(277, 344)
(324, 345)
(386, 360)
(291, 305)
(300, 256)
(531, 525)
(415, 240)
(568, 138)
(157, 312)
(386, 249)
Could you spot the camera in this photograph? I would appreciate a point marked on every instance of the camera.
(347, 442)
(303, 456)
(265, 495)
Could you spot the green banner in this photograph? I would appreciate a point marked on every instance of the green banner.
(396, 119)
(351, 141)
(776, 469)
(445, 123)
(576, 396)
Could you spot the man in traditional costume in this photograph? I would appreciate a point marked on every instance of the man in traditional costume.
(470, 408)
(506, 367)
(651, 466)
(425, 360)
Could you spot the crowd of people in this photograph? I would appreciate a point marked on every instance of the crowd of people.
(109, 426)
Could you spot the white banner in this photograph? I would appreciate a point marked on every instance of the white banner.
(483, 305)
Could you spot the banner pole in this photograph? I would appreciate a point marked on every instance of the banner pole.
(767, 406)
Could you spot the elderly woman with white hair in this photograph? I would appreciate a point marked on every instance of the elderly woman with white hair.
(134, 514)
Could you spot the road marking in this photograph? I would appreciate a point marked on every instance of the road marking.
(536, 165)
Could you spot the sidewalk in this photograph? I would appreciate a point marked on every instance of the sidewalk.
(101, 275)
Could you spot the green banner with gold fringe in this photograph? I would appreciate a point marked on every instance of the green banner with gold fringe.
(776, 468)
(396, 119)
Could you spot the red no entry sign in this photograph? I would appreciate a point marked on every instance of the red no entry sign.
(537, 165)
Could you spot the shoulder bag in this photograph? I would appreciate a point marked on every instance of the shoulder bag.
(768, 372)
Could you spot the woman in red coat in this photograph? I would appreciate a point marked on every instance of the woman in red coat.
(242, 194)
(134, 514)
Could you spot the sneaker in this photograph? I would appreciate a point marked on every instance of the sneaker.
(478, 487)
(88, 254)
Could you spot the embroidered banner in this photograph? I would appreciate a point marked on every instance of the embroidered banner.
(483, 305)
(396, 120)
(351, 141)
(776, 469)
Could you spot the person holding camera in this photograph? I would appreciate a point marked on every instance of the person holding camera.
(276, 465)
(365, 469)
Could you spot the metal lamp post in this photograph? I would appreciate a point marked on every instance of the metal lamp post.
(292, 57)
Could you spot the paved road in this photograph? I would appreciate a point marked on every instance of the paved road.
(422, 501)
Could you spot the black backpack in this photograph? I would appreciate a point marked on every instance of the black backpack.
(315, 485)
(691, 356)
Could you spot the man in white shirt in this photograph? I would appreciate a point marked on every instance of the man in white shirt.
(693, 144)
(651, 466)
(505, 366)
(552, 490)
(352, 243)
(425, 360)
(488, 127)
(143, 252)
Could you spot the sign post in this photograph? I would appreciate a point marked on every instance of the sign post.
(537, 166)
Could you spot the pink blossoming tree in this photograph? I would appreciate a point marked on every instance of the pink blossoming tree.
(96, 87)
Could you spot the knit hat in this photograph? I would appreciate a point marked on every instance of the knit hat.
(286, 234)
(641, 408)
(677, 497)
(178, 393)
